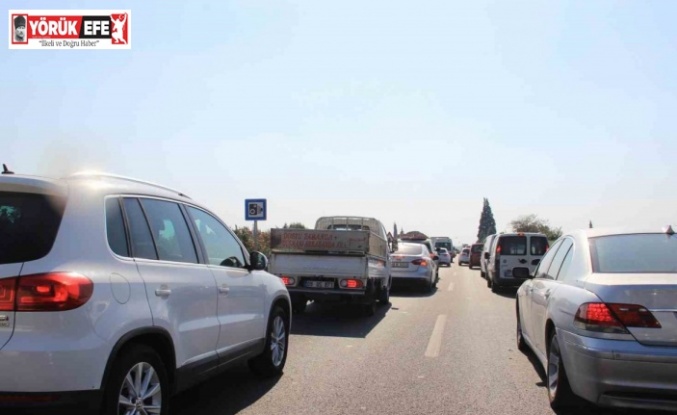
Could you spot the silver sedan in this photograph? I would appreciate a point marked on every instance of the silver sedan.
(600, 314)
(413, 262)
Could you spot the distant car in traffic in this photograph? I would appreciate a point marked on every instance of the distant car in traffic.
(444, 257)
(484, 258)
(427, 242)
(599, 314)
(412, 262)
(464, 258)
(512, 258)
(475, 255)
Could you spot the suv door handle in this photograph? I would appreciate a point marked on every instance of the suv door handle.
(224, 289)
(163, 292)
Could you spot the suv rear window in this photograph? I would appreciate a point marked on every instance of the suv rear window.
(476, 249)
(28, 225)
(513, 245)
(634, 254)
(539, 245)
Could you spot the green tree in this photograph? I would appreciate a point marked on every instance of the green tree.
(487, 223)
(532, 223)
(297, 225)
(247, 237)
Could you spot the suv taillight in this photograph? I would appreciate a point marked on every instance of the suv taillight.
(54, 291)
(7, 294)
(614, 318)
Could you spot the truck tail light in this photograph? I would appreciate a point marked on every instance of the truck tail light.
(288, 280)
(351, 283)
(54, 291)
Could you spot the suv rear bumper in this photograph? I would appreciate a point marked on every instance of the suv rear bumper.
(39, 363)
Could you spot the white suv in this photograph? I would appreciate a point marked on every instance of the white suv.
(116, 293)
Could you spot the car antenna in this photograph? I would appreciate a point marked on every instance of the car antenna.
(5, 170)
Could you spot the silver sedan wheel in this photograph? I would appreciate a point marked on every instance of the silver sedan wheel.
(140, 393)
(554, 369)
(278, 341)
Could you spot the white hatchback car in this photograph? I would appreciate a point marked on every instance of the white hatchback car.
(464, 258)
(444, 256)
(116, 293)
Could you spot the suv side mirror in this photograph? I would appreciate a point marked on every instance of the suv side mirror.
(258, 261)
(486, 255)
(435, 257)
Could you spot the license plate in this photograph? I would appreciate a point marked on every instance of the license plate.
(319, 284)
(400, 265)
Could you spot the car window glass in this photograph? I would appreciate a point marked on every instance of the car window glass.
(487, 245)
(634, 253)
(562, 273)
(115, 228)
(477, 249)
(513, 245)
(28, 225)
(538, 245)
(543, 266)
(558, 258)
(409, 249)
(142, 241)
(170, 231)
(221, 246)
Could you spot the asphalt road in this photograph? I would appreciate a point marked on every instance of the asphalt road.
(449, 352)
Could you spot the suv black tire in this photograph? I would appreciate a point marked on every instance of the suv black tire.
(268, 363)
(128, 358)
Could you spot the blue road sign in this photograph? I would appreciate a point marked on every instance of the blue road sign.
(255, 209)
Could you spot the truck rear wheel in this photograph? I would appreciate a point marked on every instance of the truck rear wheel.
(384, 295)
(369, 309)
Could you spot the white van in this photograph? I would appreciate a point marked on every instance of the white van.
(513, 257)
(484, 258)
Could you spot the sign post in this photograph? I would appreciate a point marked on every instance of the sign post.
(256, 210)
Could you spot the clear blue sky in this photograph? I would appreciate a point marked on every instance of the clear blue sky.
(410, 112)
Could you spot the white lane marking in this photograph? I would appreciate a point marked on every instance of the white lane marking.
(435, 342)
(451, 287)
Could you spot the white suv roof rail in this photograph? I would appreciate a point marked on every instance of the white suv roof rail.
(129, 179)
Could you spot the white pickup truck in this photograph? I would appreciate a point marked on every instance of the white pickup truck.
(344, 259)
